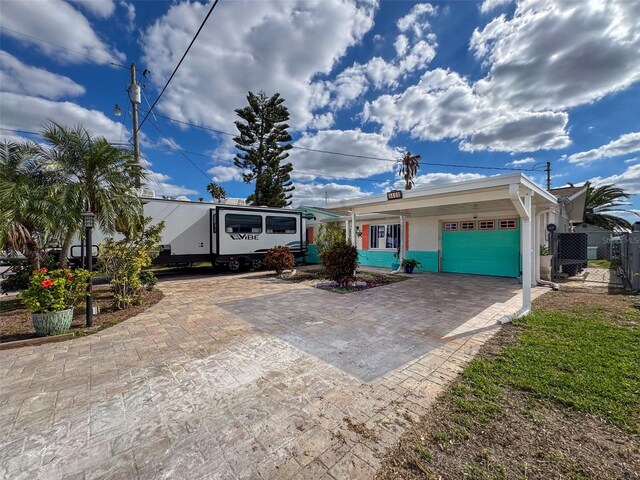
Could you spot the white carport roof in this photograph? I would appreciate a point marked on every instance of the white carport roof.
(483, 195)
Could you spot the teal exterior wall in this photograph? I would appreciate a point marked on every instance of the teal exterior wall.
(376, 258)
(312, 254)
(482, 252)
(429, 260)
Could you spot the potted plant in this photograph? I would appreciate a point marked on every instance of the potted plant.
(51, 296)
(409, 264)
(545, 258)
(396, 264)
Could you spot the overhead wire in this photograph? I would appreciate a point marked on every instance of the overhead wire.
(353, 155)
(175, 70)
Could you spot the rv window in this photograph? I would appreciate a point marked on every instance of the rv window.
(281, 225)
(236, 223)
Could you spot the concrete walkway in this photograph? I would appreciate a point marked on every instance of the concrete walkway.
(244, 376)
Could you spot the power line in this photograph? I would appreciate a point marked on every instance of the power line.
(175, 70)
(353, 155)
(78, 52)
(27, 132)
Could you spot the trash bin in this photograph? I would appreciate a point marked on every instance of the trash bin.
(592, 253)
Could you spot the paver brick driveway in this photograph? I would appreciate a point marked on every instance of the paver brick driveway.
(244, 377)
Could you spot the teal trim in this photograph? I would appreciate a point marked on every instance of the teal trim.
(376, 258)
(482, 252)
(429, 260)
(312, 254)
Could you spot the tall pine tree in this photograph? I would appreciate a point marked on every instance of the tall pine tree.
(263, 143)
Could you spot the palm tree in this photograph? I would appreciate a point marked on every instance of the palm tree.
(96, 177)
(408, 169)
(599, 204)
(217, 192)
(27, 213)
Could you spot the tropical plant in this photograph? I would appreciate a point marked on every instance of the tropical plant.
(124, 260)
(408, 168)
(340, 262)
(410, 262)
(216, 191)
(544, 249)
(328, 235)
(279, 259)
(263, 143)
(93, 176)
(55, 290)
(602, 206)
(27, 208)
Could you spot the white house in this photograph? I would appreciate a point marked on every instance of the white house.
(490, 226)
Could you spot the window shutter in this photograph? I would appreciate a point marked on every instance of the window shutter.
(365, 237)
(406, 237)
(309, 234)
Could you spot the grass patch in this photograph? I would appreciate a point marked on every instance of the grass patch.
(556, 395)
(603, 263)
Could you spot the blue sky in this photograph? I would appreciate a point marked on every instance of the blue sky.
(493, 84)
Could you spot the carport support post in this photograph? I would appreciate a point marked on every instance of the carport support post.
(526, 251)
(353, 228)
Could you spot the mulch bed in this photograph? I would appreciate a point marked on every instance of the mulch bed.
(15, 319)
(315, 278)
(531, 438)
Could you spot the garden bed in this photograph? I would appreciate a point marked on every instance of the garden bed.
(364, 280)
(15, 319)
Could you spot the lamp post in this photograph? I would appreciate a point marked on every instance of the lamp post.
(88, 222)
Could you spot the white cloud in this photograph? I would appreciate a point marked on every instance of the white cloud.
(18, 77)
(60, 24)
(523, 161)
(443, 105)
(345, 141)
(489, 5)
(440, 178)
(625, 144)
(130, 12)
(415, 21)
(23, 112)
(401, 44)
(314, 194)
(99, 8)
(278, 47)
(555, 54)
(629, 180)
(225, 174)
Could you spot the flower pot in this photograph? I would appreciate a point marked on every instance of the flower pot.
(395, 266)
(52, 323)
(409, 269)
(545, 261)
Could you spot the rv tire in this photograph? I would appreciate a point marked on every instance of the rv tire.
(234, 265)
(257, 264)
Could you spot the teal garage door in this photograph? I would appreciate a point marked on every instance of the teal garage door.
(482, 247)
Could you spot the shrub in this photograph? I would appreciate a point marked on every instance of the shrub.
(279, 259)
(340, 263)
(328, 235)
(124, 261)
(149, 280)
(55, 290)
(19, 278)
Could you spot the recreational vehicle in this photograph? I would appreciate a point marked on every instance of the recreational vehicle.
(220, 233)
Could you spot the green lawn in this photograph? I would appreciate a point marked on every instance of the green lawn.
(556, 395)
(580, 361)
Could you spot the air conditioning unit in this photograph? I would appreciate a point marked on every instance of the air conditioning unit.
(146, 192)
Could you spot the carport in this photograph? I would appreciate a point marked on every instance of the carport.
(491, 226)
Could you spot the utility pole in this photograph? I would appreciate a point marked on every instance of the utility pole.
(548, 170)
(134, 97)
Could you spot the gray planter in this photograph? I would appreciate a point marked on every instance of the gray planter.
(52, 323)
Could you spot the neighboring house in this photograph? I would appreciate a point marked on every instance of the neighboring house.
(479, 226)
(597, 237)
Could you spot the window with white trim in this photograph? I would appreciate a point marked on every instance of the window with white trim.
(281, 224)
(384, 236)
(467, 225)
(486, 225)
(507, 224)
(450, 226)
(239, 223)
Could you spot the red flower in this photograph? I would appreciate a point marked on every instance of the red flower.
(69, 277)
(47, 283)
(43, 270)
